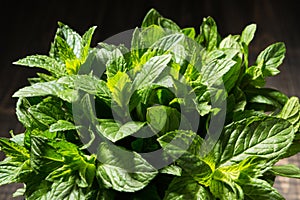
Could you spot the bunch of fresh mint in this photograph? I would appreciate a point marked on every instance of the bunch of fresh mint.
(177, 116)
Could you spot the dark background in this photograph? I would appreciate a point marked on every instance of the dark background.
(28, 27)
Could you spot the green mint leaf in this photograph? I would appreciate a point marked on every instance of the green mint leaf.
(87, 83)
(19, 192)
(265, 99)
(41, 115)
(62, 125)
(47, 88)
(291, 171)
(213, 72)
(223, 191)
(75, 161)
(170, 43)
(185, 147)
(44, 157)
(271, 58)
(291, 112)
(293, 149)
(186, 188)
(13, 150)
(254, 75)
(171, 169)
(44, 62)
(257, 189)
(113, 170)
(145, 39)
(230, 42)
(164, 119)
(115, 131)
(265, 137)
(150, 71)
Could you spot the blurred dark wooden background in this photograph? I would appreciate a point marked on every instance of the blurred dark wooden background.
(28, 27)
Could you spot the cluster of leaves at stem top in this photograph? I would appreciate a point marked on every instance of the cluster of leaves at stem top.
(51, 159)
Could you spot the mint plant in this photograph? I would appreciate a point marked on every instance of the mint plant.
(178, 115)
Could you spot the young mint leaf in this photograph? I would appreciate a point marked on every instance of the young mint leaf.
(153, 17)
(254, 75)
(208, 37)
(189, 32)
(69, 48)
(19, 192)
(115, 64)
(248, 34)
(61, 50)
(120, 87)
(86, 42)
(72, 66)
(107, 54)
(70, 38)
(18, 138)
